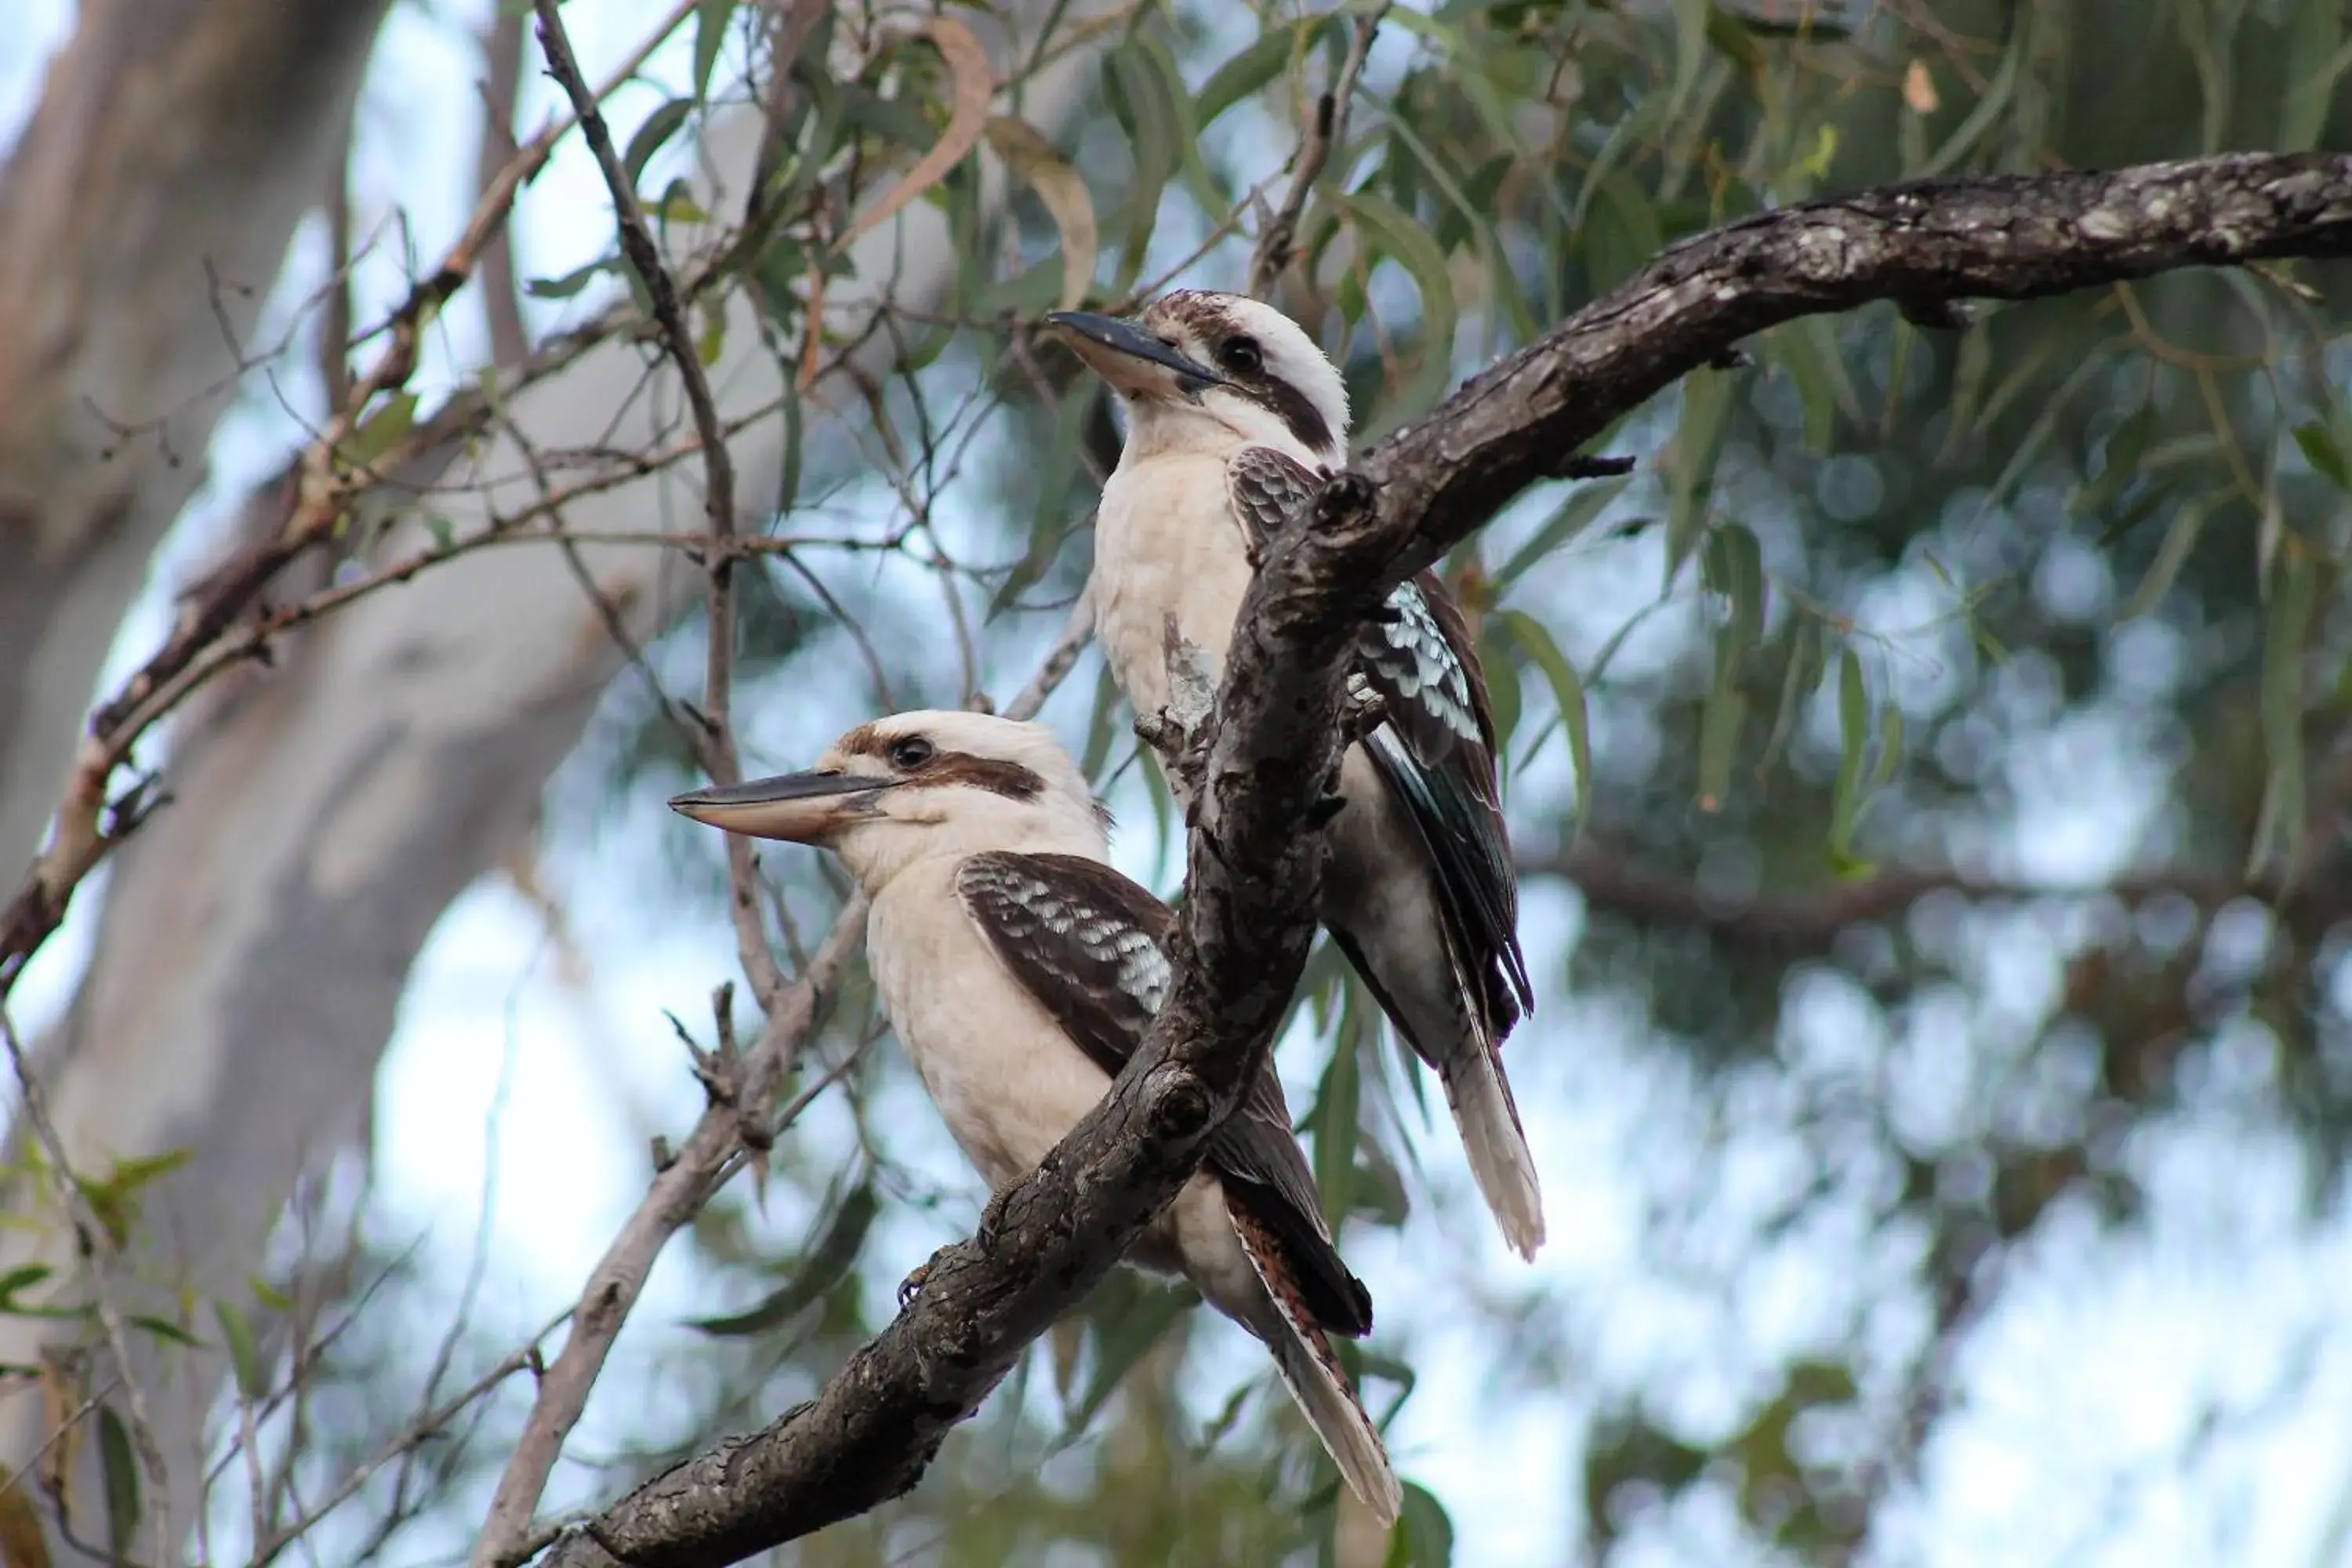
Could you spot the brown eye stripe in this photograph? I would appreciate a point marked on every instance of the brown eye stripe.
(1008, 779)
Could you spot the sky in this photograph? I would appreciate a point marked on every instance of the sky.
(2174, 1393)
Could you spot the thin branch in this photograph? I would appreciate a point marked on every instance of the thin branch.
(1255, 864)
(99, 1241)
(425, 1427)
(335, 324)
(718, 735)
(1808, 921)
(1326, 130)
(501, 290)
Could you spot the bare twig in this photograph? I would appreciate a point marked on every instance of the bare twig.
(1326, 130)
(718, 748)
(100, 1242)
(405, 1441)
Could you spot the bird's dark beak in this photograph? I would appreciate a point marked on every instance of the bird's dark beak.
(1132, 359)
(801, 807)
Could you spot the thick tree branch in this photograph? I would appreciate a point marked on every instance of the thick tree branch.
(1253, 870)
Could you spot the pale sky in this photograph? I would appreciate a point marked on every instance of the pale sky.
(2177, 1393)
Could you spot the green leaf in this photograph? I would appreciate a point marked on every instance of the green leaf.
(1504, 696)
(1808, 351)
(22, 1278)
(1336, 1122)
(382, 431)
(1248, 73)
(567, 285)
(1130, 1314)
(821, 1266)
(1423, 1535)
(115, 1199)
(1575, 514)
(1853, 733)
(1734, 567)
(1138, 97)
(1987, 113)
(659, 126)
(1796, 679)
(2179, 539)
(710, 19)
(2294, 585)
(2125, 461)
(1063, 193)
(1568, 691)
(163, 1329)
(1890, 744)
(2315, 35)
(1621, 231)
(119, 1469)
(1404, 240)
(1101, 728)
(244, 1352)
(1690, 462)
(2320, 450)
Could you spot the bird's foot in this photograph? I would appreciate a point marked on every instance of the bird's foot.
(991, 1220)
(1181, 757)
(913, 1283)
(1360, 715)
(1320, 814)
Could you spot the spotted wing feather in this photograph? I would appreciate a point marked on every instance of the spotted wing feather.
(1455, 801)
(1092, 947)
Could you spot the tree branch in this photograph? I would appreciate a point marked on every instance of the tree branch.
(1253, 870)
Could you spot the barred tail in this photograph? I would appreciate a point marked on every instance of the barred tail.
(1309, 1369)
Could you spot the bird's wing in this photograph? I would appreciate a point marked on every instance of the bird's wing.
(1451, 793)
(1266, 486)
(1092, 947)
(1436, 749)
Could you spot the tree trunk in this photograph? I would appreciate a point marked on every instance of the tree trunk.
(143, 220)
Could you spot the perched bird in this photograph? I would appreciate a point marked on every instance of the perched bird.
(1021, 972)
(1234, 418)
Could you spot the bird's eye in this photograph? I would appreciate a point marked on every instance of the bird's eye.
(1241, 355)
(911, 753)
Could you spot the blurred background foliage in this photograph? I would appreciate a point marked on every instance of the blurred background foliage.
(1930, 770)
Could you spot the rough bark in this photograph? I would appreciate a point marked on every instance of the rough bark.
(1254, 865)
(327, 809)
(142, 218)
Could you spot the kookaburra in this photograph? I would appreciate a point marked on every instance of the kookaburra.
(1021, 971)
(1234, 418)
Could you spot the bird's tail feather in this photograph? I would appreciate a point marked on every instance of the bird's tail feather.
(1311, 1371)
(1489, 1119)
(1446, 1033)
